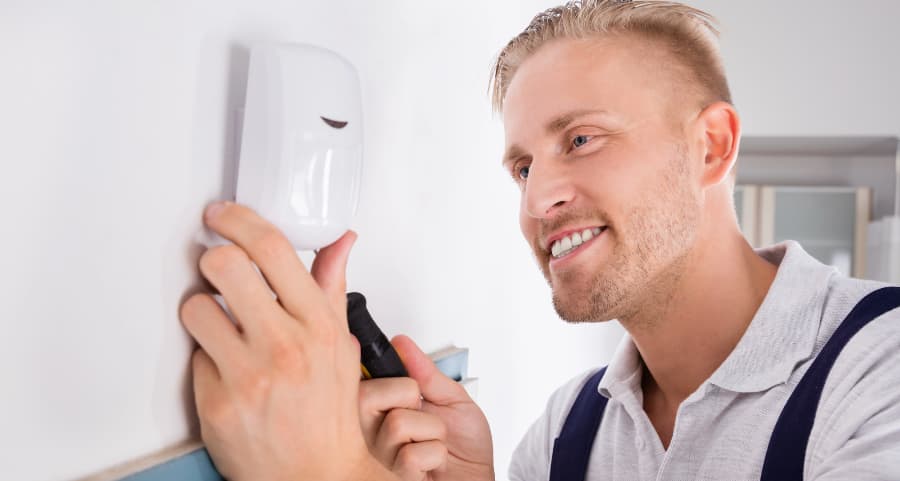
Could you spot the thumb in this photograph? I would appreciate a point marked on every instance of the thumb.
(435, 387)
(329, 269)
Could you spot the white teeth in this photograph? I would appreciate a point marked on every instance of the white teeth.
(563, 246)
(576, 239)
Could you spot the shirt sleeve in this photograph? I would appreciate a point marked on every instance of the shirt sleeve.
(857, 430)
(531, 458)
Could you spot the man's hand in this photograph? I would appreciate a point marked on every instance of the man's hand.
(442, 437)
(277, 393)
(400, 435)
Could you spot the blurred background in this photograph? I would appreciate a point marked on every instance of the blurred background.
(119, 122)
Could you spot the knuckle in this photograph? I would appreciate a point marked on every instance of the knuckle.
(413, 458)
(441, 429)
(406, 458)
(254, 387)
(395, 425)
(218, 259)
(440, 453)
(410, 387)
(286, 356)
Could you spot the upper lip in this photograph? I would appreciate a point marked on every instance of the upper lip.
(548, 242)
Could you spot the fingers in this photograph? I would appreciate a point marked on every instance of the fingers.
(294, 393)
(268, 248)
(378, 396)
(434, 385)
(329, 269)
(230, 271)
(405, 426)
(414, 461)
(205, 320)
(206, 380)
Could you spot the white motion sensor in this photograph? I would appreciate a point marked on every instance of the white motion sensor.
(301, 147)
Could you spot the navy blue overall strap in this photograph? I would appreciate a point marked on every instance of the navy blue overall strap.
(787, 446)
(572, 449)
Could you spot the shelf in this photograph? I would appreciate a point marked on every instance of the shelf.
(820, 146)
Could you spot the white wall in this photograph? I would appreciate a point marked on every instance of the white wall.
(117, 123)
(808, 67)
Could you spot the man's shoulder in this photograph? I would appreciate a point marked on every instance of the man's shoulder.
(860, 403)
(875, 349)
(561, 401)
(531, 458)
(844, 293)
(549, 424)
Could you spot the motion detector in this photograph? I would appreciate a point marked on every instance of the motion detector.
(301, 147)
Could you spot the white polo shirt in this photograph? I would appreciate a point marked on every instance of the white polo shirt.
(722, 430)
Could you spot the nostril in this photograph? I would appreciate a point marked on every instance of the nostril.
(555, 207)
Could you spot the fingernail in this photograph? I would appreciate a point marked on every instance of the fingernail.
(213, 209)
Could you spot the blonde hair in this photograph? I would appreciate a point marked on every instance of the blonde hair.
(690, 36)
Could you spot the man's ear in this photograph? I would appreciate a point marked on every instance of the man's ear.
(721, 129)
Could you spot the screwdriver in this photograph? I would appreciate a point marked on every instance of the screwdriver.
(377, 356)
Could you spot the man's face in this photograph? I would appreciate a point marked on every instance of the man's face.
(595, 139)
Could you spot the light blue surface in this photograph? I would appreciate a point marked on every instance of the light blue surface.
(193, 466)
(454, 366)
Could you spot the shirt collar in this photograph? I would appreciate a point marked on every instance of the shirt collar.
(623, 375)
(781, 334)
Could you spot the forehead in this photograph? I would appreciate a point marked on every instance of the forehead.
(620, 75)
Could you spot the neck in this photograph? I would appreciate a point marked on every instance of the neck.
(684, 335)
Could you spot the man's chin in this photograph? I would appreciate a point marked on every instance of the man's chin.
(577, 308)
(577, 297)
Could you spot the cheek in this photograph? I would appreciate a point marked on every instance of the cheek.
(628, 176)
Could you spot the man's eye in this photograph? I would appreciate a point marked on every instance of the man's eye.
(522, 172)
(580, 140)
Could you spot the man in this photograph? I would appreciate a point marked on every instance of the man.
(621, 135)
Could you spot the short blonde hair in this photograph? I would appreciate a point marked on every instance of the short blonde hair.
(690, 35)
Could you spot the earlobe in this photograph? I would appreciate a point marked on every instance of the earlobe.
(722, 135)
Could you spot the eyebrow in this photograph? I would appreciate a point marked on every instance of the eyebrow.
(556, 125)
(512, 153)
(559, 123)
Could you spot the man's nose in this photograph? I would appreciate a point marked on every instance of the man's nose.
(547, 189)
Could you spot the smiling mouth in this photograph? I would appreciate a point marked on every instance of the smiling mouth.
(570, 243)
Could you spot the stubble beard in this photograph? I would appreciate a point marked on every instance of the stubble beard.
(650, 254)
